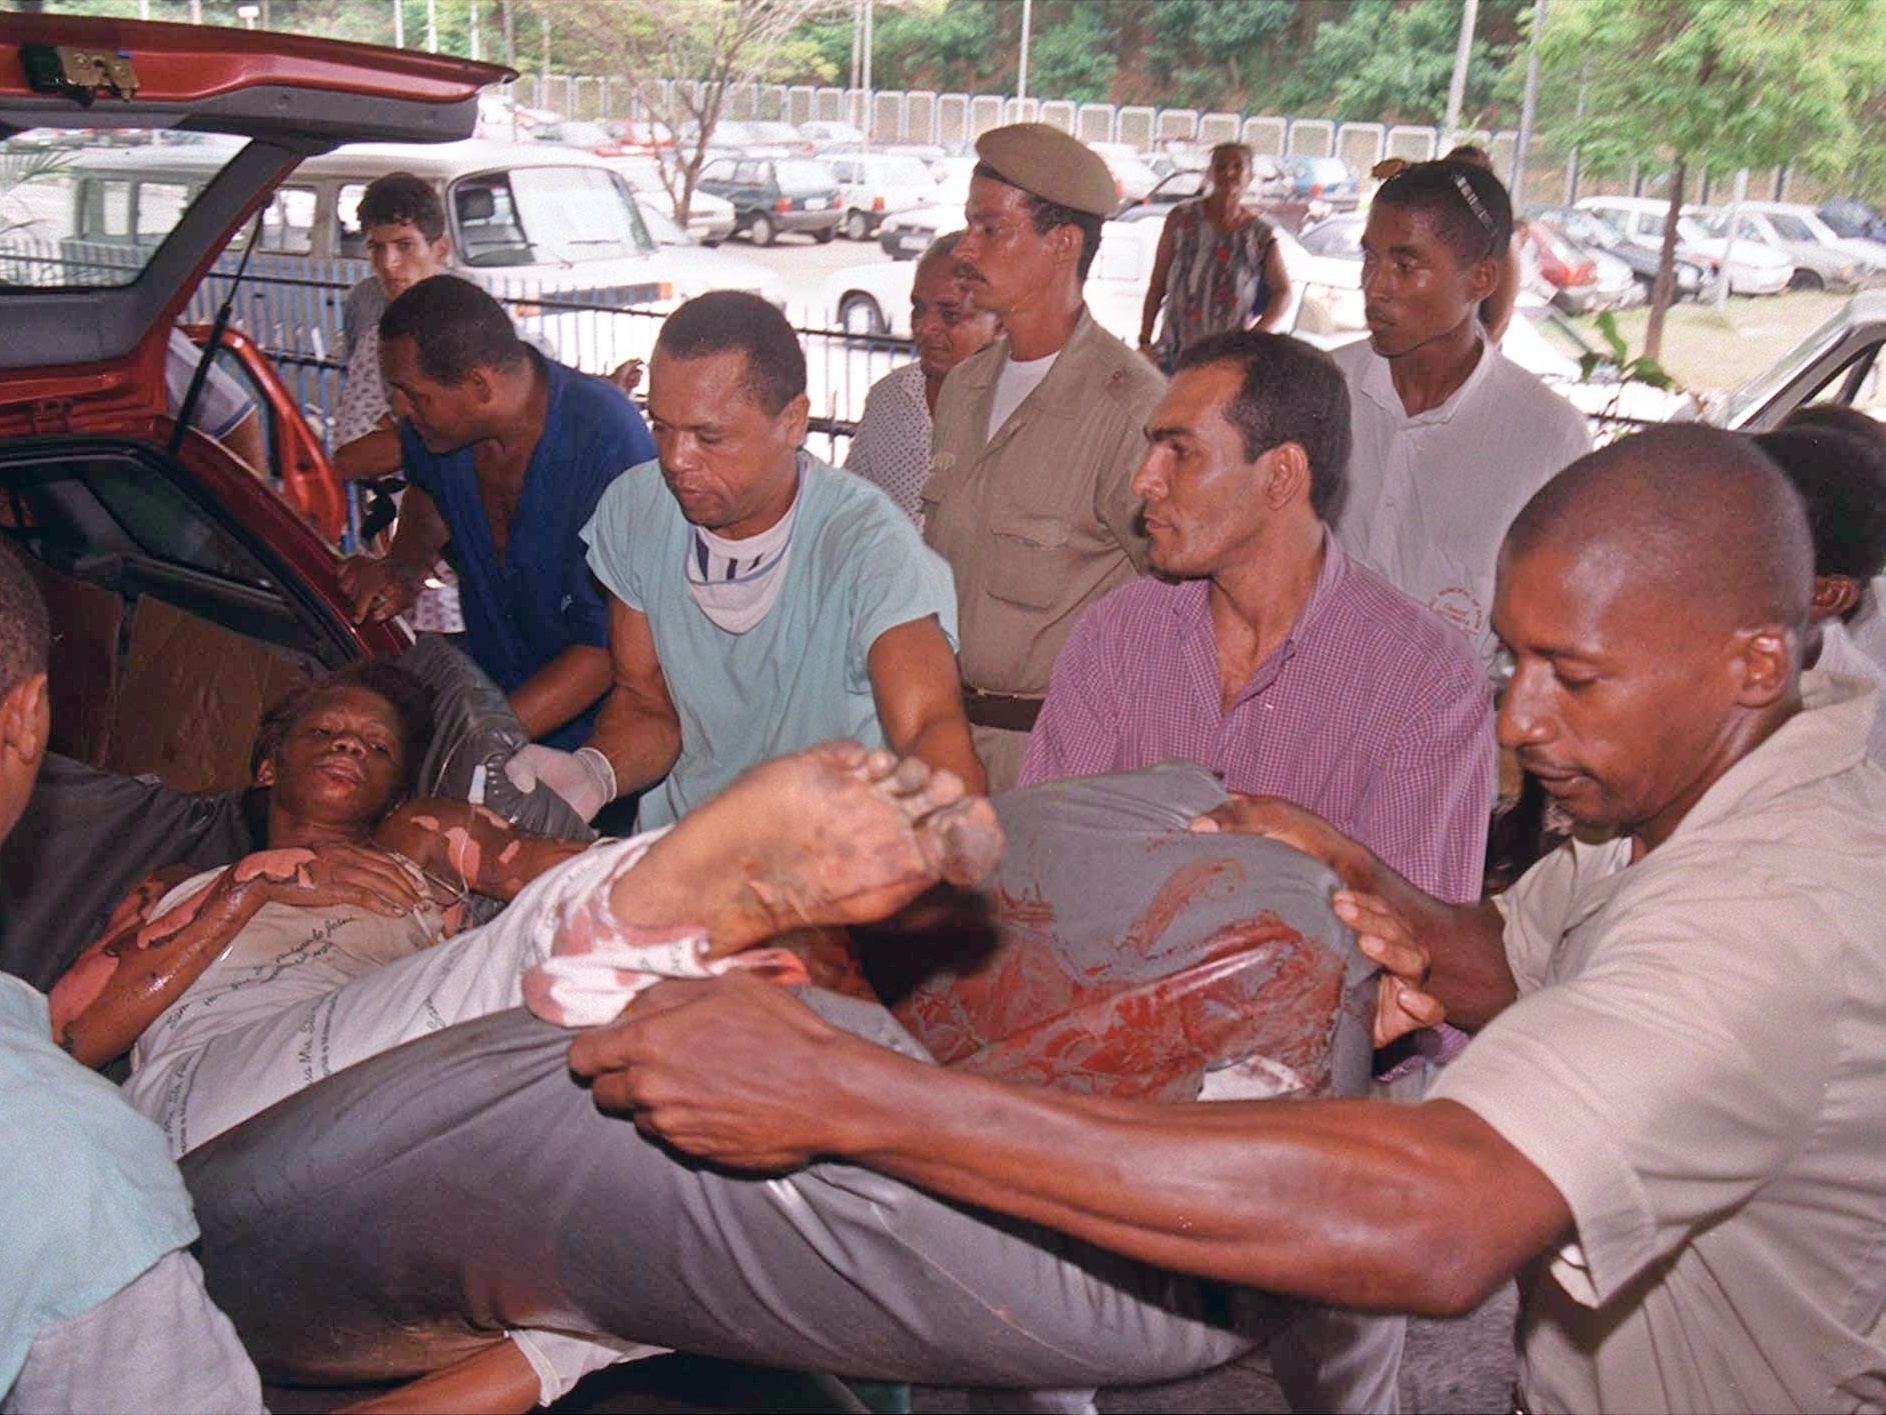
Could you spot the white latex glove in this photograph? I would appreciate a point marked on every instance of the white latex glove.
(583, 778)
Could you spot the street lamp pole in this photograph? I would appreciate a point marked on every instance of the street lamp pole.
(1021, 73)
(1457, 89)
(399, 24)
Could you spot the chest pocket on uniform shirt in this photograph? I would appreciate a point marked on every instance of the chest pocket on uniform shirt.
(1030, 561)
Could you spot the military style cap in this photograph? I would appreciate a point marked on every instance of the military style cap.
(1048, 163)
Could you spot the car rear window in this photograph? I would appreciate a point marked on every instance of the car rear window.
(88, 208)
(805, 177)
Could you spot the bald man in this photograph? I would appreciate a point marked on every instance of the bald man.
(1670, 1123)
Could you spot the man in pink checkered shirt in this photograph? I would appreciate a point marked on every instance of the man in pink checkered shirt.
(1265, 653)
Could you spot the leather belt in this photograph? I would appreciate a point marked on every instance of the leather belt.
(1000, 710)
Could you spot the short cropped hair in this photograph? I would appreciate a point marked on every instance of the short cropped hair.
(725, 321)
(25, 633)
(456, 327)
(411, 701)
(1842, 481)
(1045, 215)
(1290, 392)
(1468, 206)
(942, 248)
(1250, 154)
(401, 199)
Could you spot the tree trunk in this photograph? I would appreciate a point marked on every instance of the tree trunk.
(1663, 290)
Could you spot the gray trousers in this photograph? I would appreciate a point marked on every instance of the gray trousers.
(401, 1213)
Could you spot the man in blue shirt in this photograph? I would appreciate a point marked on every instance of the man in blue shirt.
(760, 601)
(507, 453)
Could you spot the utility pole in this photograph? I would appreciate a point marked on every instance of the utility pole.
(510, 35)
(1528, 107)
(870, 25)
(1021, 73)
(472, 9)
(399, 24)
(1457, 90)
(432, 26)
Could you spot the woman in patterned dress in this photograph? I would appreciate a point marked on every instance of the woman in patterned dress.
(1217, 268)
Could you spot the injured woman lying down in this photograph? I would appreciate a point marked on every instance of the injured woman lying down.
(243, 985)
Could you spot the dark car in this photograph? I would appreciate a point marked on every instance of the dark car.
(1853, 218)
(1584, 229)
(774, 194)
(185, 589)
(1327, 179)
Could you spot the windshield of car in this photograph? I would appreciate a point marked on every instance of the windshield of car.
(1758, 390)
(805, 176)
(1339, 238)
(86, 208)
(662, 226)
(1794, 228)
(1689, 228)
(546, 216)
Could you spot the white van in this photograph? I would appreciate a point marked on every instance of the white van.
(554, 232)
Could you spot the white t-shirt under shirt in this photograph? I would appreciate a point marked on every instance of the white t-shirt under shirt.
(1019, 378)
(1430, 496)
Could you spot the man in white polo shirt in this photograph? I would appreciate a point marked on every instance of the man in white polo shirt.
(1451, 437)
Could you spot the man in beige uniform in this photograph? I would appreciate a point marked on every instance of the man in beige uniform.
(1037, 436)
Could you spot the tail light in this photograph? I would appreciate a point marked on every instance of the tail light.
(877, 203)
(783, 204)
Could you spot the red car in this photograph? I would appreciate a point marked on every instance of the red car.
(185, 590)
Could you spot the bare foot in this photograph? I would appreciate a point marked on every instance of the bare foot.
(832, 835)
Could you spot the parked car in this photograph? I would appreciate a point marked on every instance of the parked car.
(908, 234)
(1132, 178)
(1322, 179)
(580, 133)
(1271, 195)
(826, 136)
(177, 579)
(1331, 277)
(875, 299)
(1587, 230)
(876, 185)
(774, 194)
(1854, 218)
(1837, 363)
(1823, 259)
(1751, 269)
(710, 218)
(1579, 280)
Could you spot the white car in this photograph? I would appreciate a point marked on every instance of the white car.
(908, 234)
(875, 185)
(1752, 269)
(710, 218)
(875, 299)
(1823, 258)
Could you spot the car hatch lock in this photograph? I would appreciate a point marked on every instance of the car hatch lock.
(50, 415)
(79, 73)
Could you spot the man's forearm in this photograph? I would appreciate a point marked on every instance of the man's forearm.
(944, 741)
(377, 454)
(641, 741)
(1352, 1202)
(562, 690)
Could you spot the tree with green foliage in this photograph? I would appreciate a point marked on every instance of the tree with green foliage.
(1389, 62)
(1708, 86)
(1203, 50)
